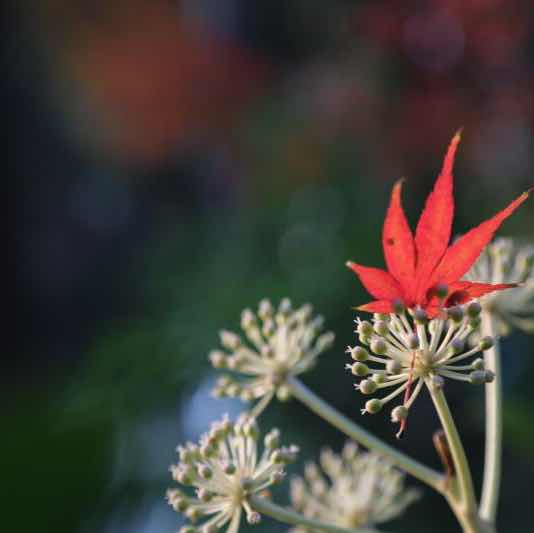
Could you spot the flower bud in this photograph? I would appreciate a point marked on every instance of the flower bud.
(398, 306)
(420, 316)
(184, 476)
(318, 323)
(457, 345)
(230, 340)
(364, 339)
(486, 343)
(393, 366)
(186, 455)
(246, 395)
(359, 354)
(268, 328)
(247, 319)
(365, 328)
(253, 518)
(373, 406)
(325, 341)
(233, 390)
(359, 369)
(456, 313)
(229, 469)
(285, 306)
(413, 341)
(204, 495)
(441, 290)
(265, 309)
(478, 364)
(477, 377)
(379, 346)
(272, 439)
(381, 328)
(205, 472)
(193, 514)
(473, 310)
(367, 386)
(399, 413)
(378, 378)
(207, 450)
(217, 359)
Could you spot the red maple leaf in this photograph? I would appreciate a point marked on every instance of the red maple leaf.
(423, 271)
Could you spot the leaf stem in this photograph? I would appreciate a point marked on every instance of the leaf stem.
(493, 451)
(267, 507)
(325, 411)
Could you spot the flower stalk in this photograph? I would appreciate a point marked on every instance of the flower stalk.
(493, 448)
(335, 418)
(461, 495)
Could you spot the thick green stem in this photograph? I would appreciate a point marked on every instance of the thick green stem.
(493, 451)
(462, 500)
(357, 433)
(266, 507)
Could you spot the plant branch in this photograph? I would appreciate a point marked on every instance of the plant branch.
(357, 433)
(267, 507)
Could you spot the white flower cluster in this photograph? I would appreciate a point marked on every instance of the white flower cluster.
(278, 343)
(226, 468)
(413, 351)
(353, 490)
(504, 262)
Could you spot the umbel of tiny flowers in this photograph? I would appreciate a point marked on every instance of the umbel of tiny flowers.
(404, 351)
(223, 470)
(504, 261)
(422, 269)
(354, 490)
(277, 343)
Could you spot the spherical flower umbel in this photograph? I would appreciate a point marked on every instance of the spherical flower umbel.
(503, 261)
(411, 351)
(352, 490)
(278, 343)
(225, 469)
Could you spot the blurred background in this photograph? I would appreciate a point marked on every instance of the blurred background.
(173, 162)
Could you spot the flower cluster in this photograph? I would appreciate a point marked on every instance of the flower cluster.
(414, 351)
(504, 262)
(281, 342)
(354, 489)
(226, 468)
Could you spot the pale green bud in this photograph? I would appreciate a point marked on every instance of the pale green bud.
(373, 406)
(367, 386)
(399, 413)
(379, 346)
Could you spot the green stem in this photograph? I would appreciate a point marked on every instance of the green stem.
(493, 452)
(357, 433)
(464, 506)
(266, 507)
